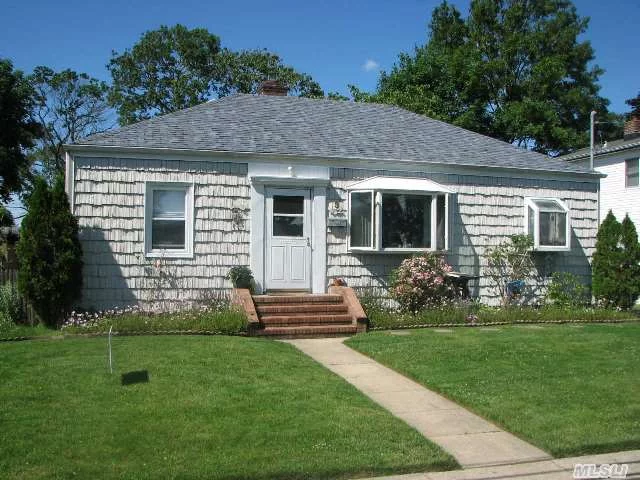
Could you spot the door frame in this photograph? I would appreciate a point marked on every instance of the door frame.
(318, 188)
(270, 193)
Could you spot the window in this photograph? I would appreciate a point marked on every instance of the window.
(547, 221)
(168, 220)
(396, 221)
(632, 172)
(288, 216)
(361, 225)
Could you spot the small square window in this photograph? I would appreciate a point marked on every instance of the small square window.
(168, 220)
(632, 172)
(547, 221)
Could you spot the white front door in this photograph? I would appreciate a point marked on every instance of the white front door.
(288, 235)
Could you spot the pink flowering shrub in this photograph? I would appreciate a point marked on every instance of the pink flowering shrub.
(421, 282)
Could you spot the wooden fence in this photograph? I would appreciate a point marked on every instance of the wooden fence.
(10, 275)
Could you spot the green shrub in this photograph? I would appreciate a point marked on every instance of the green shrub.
(510, 263)
(565, 290)
(616, 274)
(49, 253)
(421, 281)
(11, 305)
(241, 277)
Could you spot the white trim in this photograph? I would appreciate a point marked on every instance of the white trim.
(373, 224)
(319, 239)
(187, 252)
(70, 178)
(258, 232)
(290, 182)
(529, 202)
(400, 184)
(336, 162)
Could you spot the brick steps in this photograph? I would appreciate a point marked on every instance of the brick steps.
(295, 316)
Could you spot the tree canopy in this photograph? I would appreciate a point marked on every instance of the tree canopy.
(513, 69)
(69, 106)
(18, 130)
(173, 68)
(634, 103)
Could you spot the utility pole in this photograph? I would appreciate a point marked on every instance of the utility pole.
(592, 131)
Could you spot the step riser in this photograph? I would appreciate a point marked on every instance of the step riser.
(289, 332)
(301, 309)
(296, 321)
(326, 299)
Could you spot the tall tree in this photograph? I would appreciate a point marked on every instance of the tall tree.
(49, 252)
(70, 106)
(513, 69)
(173, 68)
(630, 270)
(18, 130)
(634, 103)
(607, 260)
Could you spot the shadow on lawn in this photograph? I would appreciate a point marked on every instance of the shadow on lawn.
(139, 376)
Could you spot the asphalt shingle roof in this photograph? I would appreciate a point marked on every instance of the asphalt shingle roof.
(323, 128)
(609, 147)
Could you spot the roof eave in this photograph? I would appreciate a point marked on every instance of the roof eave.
(268, 155)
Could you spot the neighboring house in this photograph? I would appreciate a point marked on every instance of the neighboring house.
(619, 161)
(307, 190)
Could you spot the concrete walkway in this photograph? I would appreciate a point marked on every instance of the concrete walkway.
(473, 441)
(558, 469)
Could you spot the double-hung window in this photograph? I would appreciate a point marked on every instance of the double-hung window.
(632, 172)
(547, 221)
(398, 214)
(169, 219)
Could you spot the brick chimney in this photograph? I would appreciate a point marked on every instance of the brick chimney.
(273, 88)
(632, 127)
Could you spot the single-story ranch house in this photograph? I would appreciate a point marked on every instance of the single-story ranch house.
(306, 190)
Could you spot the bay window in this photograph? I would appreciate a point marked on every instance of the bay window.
(168, 220)
(387, 219)
(547, 221)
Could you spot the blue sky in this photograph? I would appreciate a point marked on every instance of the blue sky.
(338, 42)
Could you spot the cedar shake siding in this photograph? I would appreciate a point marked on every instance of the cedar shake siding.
(109, 204)
(484, 212)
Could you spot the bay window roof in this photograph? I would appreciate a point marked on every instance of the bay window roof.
(400, 184)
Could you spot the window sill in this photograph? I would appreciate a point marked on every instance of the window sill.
(168, 254)
(542, 248)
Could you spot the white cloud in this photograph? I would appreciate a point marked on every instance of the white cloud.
(370, 65)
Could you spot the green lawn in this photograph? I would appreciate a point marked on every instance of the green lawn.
(214, 407)
(569, 390)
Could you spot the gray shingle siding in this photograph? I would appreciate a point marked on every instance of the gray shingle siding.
(484, 212)
(296, 126)
(109, 205)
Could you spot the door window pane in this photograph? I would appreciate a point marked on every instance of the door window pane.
(288, 204)
(553, 229)
(361, 219)
(406, 221)
(288, 226)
